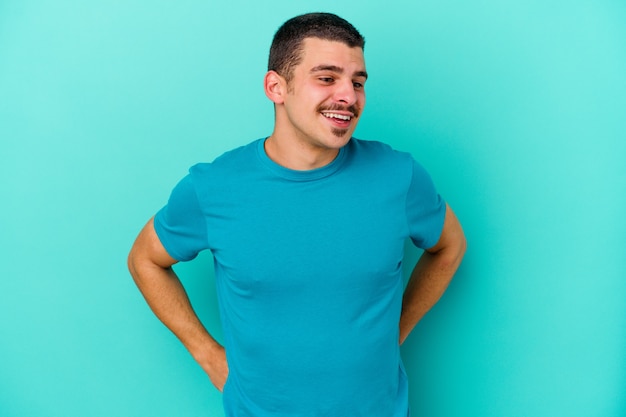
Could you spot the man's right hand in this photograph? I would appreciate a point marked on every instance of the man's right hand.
(215, 365)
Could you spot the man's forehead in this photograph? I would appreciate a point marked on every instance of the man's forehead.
(321, 52)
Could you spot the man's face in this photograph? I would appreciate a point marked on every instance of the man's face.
(326, 94)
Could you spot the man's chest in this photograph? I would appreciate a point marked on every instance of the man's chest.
(288, 237)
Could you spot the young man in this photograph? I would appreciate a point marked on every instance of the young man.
(307, 228)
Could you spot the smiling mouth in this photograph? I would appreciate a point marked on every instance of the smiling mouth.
(337, 116)
(340, 122)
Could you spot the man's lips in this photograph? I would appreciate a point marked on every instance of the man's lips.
(338, 116)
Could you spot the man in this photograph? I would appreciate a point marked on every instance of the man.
(307, 229)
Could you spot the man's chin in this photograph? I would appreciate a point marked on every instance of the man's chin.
(342, 133)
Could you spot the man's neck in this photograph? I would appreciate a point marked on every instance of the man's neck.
(296, 155)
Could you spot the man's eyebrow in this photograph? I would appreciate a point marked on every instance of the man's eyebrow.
(332, 68)
(335, 68)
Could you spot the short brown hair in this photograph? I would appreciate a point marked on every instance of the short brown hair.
(286, 49)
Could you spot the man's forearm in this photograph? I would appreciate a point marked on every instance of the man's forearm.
(427, 283)
(168, 300)
(432, 274)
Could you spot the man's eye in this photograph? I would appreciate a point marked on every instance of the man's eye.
(358, 86)
(327, 80)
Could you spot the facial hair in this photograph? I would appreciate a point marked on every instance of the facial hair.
(355, 110)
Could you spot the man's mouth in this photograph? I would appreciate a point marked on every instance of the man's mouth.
(337, 116)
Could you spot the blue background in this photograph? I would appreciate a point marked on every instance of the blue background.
(517, 109)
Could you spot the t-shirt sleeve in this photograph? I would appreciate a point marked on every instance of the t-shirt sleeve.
(180, 225)
(425, 209)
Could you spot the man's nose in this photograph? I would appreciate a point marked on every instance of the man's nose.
(345, 93)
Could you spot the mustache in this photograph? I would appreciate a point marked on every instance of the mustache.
(354, 109)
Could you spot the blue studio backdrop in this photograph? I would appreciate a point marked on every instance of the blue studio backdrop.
(516, 108)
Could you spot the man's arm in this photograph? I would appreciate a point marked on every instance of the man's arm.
(432, 274)
(150, 266)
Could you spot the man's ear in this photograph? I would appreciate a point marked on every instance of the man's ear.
(275, 87)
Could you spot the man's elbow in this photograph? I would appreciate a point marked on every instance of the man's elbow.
(451, 249)
(452, 255)
(132, 264)
(137, 262)
(453, 244)
(460, 249)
